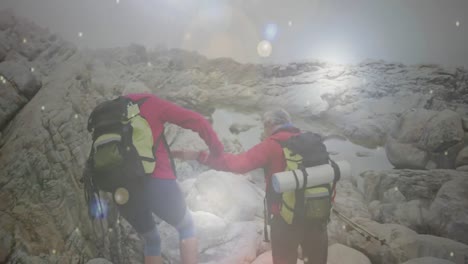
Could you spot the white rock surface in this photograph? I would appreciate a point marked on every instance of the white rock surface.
(226, 195)
(338, 254)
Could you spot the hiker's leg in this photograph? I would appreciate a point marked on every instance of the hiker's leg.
(168, 204)
(188, 241)
(137, 212)
(315, 243)
(152, 247)
(284, 242)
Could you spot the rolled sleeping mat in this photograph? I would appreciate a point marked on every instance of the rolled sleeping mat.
(317, 175)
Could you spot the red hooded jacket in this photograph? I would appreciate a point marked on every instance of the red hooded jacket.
(157, 112)
(268, 155)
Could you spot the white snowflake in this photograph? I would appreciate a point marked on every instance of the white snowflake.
(25, 41)
(32, 69)
(42, 108)
(80, 34)
(457, 23)
(290, 23)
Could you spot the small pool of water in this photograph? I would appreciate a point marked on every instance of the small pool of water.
(360, 158)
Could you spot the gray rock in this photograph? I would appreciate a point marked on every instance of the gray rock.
(7, 19)
(21, 77)
(462, 157)
(350, 202)
(3, 50)
(237, 128)
(363, 154)
(218, 193)
(217, 240)
(442, 131)
(449, 211)
(413, 184)
(10, 102)
(428, 260)
(403, 155)
(402, 244)
(465, 123)
(338, 254)
(99, 261)
(413, 214)
(462, 168)
(412, 125)
(393, 195)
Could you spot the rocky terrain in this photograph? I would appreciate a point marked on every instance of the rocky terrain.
(418, 113)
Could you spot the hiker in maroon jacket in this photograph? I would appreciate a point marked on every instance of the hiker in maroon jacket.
(268, 154)
(160, 194)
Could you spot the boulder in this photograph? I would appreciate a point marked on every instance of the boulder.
(442, 131)
(412, 125)
(449, 210)
(338, 254)
(7, 19)
(226, 195)
(266, 258)
(462, 157)
(413, 214)
(402, 244)
(349, 202)
(412, 184)
(426, 139)
(22, 78)
(405, 155)
(428, 260)
(465, 123)
(99, 261)
(219, 242)
(463, 168)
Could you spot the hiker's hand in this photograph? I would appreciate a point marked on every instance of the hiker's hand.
(185, 154)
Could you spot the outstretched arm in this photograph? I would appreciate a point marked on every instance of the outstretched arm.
(254, 158)
(188, 119)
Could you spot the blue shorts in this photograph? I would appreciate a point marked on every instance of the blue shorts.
(162, 197)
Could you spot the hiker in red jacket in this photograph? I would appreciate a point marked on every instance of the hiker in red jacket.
(268, 154)
(160, 194)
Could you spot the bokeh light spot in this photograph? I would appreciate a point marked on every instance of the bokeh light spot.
(264, 48)
(121, 196)
(270, 31)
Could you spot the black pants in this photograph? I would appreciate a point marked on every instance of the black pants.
(159, 196)
(311, 236)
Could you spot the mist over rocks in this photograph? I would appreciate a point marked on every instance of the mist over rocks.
(44, 144)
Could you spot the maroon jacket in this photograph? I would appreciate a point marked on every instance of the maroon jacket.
(267, 154)
(157, 112)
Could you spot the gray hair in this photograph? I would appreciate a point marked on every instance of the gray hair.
(276, 117)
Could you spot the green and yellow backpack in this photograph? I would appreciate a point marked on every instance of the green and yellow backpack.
(310, 203)
(122, 146)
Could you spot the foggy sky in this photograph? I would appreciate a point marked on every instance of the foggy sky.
(344, 31)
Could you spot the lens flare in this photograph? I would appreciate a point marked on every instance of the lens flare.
(264, 48)
(270, 31)
(121, 196)
(99, 208)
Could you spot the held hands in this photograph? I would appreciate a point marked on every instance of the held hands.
(185, 155)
